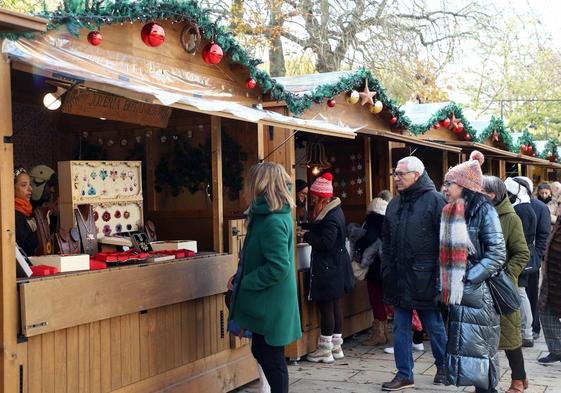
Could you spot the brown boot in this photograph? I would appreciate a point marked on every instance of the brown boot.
(378, 336)
(516, 386)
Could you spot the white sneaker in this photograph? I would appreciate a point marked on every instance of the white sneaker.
(337, 352)
(416, 347)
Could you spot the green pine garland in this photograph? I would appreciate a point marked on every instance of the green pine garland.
(550, 149)
(526, 139)
(497, 125)
(91, 15)
(441, 114)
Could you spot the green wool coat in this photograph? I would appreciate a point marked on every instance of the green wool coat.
(266, 300)
(517, 256)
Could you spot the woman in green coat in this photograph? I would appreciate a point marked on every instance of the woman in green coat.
(517, 256)
(265, 298)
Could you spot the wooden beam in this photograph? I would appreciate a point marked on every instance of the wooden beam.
(260, 141)
(8, 290)
(502, 169)
(445, 165)
(217, 189)
(14, 21)
(368, 169)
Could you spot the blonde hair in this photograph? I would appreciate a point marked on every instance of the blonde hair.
(270, 180)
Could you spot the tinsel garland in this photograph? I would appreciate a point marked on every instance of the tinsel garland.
(497, 125)
(91, 15)
(550, 149)
(441, 114)
(526, 139)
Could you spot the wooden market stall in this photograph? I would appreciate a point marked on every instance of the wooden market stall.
(186, 134)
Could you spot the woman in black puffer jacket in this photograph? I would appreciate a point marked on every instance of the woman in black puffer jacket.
(473, 325)
(331, 273)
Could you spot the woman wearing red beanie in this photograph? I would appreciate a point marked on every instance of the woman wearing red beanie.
(331, 272)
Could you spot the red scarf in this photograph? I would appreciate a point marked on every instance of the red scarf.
(23, 206)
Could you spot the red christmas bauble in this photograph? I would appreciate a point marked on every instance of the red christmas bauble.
(445, 122)
(393, 121)
(533, 154)
(212, 53)
(456, 129)
(551, 158)
(250, 83)
(460, 127)
(529, 148)
(95, 38)
(331, 103)
(524, 148)
(153, 34)
(467, 137)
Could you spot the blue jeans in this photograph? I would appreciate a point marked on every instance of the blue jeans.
(403, 339)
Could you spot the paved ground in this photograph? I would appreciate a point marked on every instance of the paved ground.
(364, 369)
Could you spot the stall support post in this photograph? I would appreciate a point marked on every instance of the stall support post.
(260, 142)
(8, 303)
(445, 164)
(368, 169)
(217, 194)
(502, 169)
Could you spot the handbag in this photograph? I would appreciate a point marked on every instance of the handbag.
(504, 293)
(359, 272)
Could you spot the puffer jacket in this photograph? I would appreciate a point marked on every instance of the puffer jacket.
(550, 292)
(517, 254)
(331, 274)
(410, 238)
(474, 325)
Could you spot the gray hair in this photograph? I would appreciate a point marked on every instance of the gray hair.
(386, 195)
(493, 184)
(413, 164)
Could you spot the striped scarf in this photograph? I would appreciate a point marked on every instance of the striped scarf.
(454, 246)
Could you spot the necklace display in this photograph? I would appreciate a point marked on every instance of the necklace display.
(86, 227)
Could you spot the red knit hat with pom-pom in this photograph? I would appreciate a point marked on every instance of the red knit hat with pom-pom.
(323, 186)
(468, 174)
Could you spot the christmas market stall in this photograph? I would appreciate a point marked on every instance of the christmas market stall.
(137, 125)
(361, 168)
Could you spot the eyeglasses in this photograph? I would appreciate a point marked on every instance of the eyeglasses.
(447, 184)
(400, 174)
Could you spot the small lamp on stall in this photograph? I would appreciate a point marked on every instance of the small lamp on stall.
(52, 101)
(316, 171)
(316, 158)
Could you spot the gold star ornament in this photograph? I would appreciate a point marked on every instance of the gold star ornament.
(366, 95)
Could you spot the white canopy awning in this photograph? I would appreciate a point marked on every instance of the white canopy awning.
(60, 56)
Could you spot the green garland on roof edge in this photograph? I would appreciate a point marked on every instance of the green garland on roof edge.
(441, 114)
(550, 149)
(79, 14)
(527, 139)
(497, 125)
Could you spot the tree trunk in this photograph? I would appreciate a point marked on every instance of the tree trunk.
(277, 66)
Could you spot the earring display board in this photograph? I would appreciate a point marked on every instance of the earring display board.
(113, 188)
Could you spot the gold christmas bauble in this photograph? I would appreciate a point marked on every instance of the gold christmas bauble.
(377, 107)
(353, 97)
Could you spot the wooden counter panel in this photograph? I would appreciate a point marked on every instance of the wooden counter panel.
(62, 302)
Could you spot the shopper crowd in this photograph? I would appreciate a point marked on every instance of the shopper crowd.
(476, 266)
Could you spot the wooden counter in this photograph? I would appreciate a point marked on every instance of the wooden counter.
(137, 328)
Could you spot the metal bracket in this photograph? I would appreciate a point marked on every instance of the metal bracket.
(8, 139)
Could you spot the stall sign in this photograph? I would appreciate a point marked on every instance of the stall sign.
(96, 104)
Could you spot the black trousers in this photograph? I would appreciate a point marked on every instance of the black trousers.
(272, 361)
(331, 317)
(516, 363)
(532, 291)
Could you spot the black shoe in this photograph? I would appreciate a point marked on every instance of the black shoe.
(551, 358)
(527, 343)
(397, 384)
(439, 378)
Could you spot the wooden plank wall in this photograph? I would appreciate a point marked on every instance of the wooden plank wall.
(107, 355)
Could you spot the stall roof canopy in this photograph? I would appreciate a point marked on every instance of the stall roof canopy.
(421, 113)
(11, 22)
(303, 84)
(59, 57)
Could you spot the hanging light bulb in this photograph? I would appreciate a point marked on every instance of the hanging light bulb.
(52, 101)
(315, 171)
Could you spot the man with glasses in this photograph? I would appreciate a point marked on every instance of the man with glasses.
(410, 267)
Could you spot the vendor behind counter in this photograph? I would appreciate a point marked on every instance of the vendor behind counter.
(26, 226)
